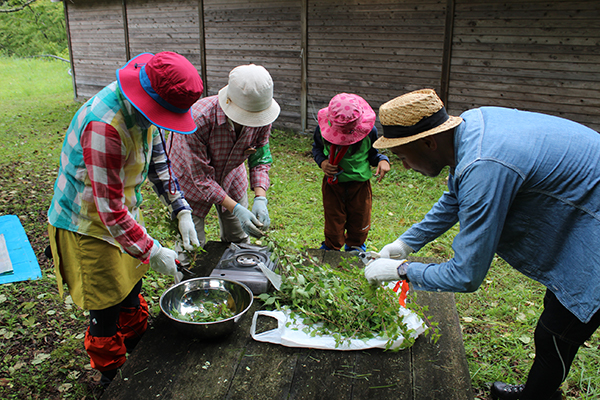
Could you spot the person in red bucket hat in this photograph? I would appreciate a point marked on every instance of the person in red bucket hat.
(343, 148)
(98, 242)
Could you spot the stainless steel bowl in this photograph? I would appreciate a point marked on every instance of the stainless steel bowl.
(188, 296)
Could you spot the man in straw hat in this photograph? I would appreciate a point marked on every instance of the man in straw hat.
(233, 126)
(523, 185)
(99, 245)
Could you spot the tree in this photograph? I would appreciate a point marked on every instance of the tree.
(32, 27)
(16, 7)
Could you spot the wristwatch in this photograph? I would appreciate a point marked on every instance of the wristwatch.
(403, 271)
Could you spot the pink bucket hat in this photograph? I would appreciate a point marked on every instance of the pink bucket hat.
(162, 87)
(347, 120)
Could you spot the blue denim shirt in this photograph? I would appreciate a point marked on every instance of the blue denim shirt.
(527, 187)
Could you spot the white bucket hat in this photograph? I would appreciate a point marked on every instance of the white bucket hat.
(248, 98)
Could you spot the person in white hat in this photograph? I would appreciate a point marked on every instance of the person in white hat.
(523, 185)
(233, 126)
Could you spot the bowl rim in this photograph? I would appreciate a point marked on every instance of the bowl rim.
(205, 278)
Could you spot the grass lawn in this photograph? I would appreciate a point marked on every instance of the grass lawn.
(41, 335)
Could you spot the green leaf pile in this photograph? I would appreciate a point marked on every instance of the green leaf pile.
(338, 301)
(210, 312)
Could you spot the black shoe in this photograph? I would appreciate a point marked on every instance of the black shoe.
(504, 391)
(107, 377)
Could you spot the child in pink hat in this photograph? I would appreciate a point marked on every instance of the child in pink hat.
(343, 148)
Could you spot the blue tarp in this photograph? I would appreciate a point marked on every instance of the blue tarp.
(24, 262)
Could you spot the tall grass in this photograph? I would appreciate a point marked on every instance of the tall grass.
(497, 320)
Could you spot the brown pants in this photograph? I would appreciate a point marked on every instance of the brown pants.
(347, 208)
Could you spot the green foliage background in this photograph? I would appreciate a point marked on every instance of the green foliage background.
(38, 29)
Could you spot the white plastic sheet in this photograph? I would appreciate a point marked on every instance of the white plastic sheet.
(295, 335)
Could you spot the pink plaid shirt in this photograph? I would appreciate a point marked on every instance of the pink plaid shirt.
(209, 163)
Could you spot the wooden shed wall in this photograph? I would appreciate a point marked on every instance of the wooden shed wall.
(97, 44)
(155, 26)
(536, 55)
(540, 55)
(377, 49)
(262, 32)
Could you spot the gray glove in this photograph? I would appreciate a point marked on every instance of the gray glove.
(397, 250)
(259, 209)
(248, 221)
(386, 270)
(162, 260)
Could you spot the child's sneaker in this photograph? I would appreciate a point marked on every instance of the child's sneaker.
(324, 247)
(355, 249)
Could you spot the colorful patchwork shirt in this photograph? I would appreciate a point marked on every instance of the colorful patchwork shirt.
(105, 159)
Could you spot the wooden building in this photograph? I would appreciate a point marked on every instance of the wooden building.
(537, 55)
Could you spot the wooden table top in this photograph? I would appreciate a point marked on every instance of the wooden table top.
(167, 364)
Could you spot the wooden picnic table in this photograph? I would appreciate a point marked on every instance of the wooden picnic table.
(167, 364)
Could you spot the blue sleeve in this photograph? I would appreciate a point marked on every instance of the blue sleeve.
(374, 155)
(482, 197)
(317, 149)
(442, 216)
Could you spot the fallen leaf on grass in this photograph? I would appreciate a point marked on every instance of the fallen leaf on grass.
(40, 358)
(525, 339)
(65, 387)
(18, 365)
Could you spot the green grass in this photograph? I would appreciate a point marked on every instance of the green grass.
(41, 342)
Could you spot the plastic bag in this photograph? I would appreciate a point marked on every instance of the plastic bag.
(294, 335)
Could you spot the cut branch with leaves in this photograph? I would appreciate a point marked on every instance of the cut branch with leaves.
(18, 8)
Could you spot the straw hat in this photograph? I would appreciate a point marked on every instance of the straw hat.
(347, 120)
(248, 97)
(413, 116)
(162, 87)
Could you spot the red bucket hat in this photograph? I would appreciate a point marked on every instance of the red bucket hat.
(347, 120)
(162, 87)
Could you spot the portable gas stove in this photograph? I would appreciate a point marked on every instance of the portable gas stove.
(240, 262)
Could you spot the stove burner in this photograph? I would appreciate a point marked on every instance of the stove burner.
(249, 259)
(240, 262)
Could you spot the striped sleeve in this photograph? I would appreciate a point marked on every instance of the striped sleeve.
(104, 157)
(164, 182)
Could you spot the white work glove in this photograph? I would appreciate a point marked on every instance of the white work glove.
(162, 260)
(248, 221)
(187, 229)
(397, 250)
(259, 209)
(386, 270)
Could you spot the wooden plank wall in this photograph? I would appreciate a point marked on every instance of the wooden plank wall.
(97, 44)
(540, 55)
(537, 55)
(262, 32)
(377, 49)
(156, 26)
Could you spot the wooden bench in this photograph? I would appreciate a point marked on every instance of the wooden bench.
(169, 365)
